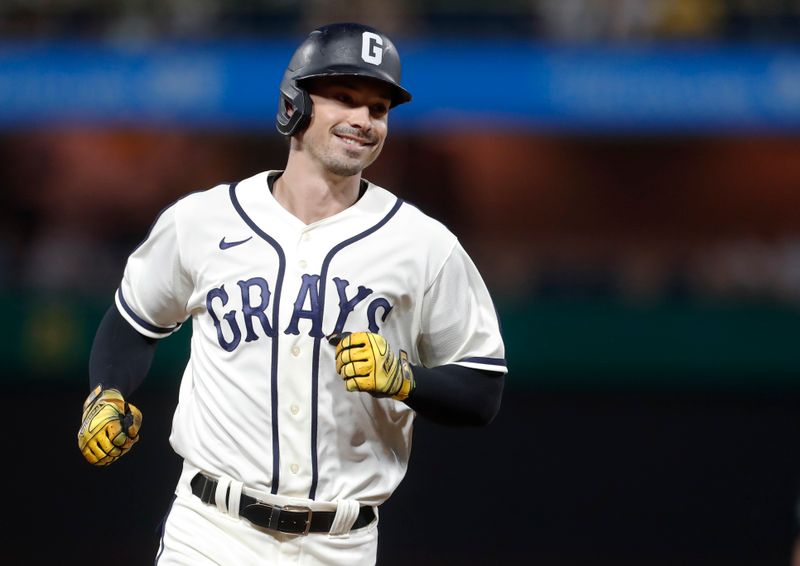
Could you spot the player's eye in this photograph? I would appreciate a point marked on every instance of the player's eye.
(344, 98)
(378, 110)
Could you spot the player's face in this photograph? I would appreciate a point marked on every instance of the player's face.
(348, 125)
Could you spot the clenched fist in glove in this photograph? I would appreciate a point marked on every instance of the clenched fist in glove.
(110, 426)
(366, 363)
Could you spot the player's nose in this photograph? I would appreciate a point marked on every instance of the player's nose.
(359, 117)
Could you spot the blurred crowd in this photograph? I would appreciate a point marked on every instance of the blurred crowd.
(559, 20)
(544, 216)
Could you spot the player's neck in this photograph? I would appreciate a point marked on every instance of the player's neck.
(313, 197)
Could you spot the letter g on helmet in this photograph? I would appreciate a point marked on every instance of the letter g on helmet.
(344, 49)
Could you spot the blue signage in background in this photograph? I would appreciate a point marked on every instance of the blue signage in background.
(648, 89)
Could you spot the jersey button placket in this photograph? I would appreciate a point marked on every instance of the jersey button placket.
(298, 355)
(304, 238)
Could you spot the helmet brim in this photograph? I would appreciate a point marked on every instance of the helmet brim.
(399, 94)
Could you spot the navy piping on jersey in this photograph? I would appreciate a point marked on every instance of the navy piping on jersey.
(276, 301)
(315, 359)
(140, 321)
(488, 361)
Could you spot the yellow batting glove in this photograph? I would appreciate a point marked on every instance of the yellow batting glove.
(366, 363)
(109, 428)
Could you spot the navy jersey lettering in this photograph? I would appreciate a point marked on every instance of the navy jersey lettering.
(346, 305)
(229, 317)
(255, 311)
(255, 299)
(308, 288)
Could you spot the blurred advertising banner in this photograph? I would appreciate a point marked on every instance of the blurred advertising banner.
(662, 89)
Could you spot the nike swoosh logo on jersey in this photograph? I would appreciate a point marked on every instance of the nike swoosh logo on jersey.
(223, 245)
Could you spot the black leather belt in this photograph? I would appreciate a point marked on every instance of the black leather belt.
(295, 519)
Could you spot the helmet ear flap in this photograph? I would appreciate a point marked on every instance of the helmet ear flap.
(343, 49)
(288, 123)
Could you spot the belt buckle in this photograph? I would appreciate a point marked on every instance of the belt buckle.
(301, 509)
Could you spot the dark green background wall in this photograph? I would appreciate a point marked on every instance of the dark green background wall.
(629, 435)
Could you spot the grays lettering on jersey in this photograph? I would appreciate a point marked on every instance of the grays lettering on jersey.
(260, 399)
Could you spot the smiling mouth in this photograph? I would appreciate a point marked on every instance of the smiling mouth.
(358, 142)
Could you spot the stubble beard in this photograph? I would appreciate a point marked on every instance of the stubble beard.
(338, 162)
(341, 166)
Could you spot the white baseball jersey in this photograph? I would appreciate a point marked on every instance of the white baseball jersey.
(260, 400)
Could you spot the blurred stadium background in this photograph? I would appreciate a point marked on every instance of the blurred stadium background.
(626, 174)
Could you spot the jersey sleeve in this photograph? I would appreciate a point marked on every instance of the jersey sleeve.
(459, 323)
(155, 287)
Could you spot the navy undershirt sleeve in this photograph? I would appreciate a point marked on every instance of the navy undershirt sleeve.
(456, 395)
(450, 394)
(120, 356)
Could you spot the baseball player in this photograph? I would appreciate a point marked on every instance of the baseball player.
(326, 313)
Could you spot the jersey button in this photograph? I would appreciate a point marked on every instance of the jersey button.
(295, 468)
(306, 237)
(296, 351)
(302, 263)
(294, 409)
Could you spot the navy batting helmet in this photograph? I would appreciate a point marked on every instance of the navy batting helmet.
(336, 50)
